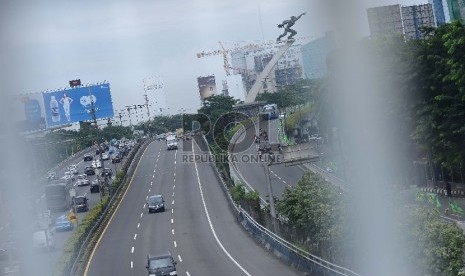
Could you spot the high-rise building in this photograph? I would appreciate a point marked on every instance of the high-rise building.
(314, 56)
(250, 63)
(385, 20)
(456, 10)
(438, 10)
(416, 17)
(403, 20)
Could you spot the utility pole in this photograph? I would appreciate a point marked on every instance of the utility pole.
(147, 103)
(94, 118)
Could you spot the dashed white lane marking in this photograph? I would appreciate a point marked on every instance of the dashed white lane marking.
(172, 231)
(138, 225)
(187, 272)
(149, 190)
(175, 244)
(135, 236)
(153, 176)
(210, 222)
(147, 197)
(143, 206)
(174, 186)
(151, 183)
(153, 171)
(172, 211)
(179, 257)
(173, 193)
(132, 250)
(172, 221)
(172, 202)
(141, 214)
(132, 264)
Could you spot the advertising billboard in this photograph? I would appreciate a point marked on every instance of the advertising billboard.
(28, 111)
(72, 105)
(207, 86)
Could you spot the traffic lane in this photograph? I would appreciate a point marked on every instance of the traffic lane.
(197, 251)
(254, 259)
(112, 255)
(155, 229)
(281, 175)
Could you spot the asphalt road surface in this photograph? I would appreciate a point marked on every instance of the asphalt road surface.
(253, 172)
(198, 228)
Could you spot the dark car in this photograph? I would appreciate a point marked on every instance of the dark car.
(80, 204)
(94, 187)
(106, 172)
(88, 157)
(156, 203)
(116, 159)
(89, 170)
(97, 151)
(161, 264)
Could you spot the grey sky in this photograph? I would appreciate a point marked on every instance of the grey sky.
(47, 43)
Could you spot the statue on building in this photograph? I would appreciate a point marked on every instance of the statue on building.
(287, 24)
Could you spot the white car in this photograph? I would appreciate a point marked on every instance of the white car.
(73, 169)
(96, 164)
(68, 175)
(105, 156)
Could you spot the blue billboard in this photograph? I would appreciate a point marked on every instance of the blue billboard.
(72, 105)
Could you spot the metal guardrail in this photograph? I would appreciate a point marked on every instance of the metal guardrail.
(298, 257)
(330, 267)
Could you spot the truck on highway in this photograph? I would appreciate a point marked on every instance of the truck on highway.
(58, 197)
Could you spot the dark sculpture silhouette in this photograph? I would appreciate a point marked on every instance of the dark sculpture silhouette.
(287, 24)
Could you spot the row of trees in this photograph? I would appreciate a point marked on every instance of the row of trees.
(420, 92)
(319, 209)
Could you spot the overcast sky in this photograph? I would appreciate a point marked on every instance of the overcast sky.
(47, 43)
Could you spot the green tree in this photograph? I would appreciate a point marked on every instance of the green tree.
(317, 208)
(218, 110)
(434, 246)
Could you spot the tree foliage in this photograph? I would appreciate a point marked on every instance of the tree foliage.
(316, 207)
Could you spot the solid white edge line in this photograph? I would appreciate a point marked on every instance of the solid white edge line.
(210, 222)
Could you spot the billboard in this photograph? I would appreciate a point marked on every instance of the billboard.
(28, 111)
(72, 105)
(207, 86)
